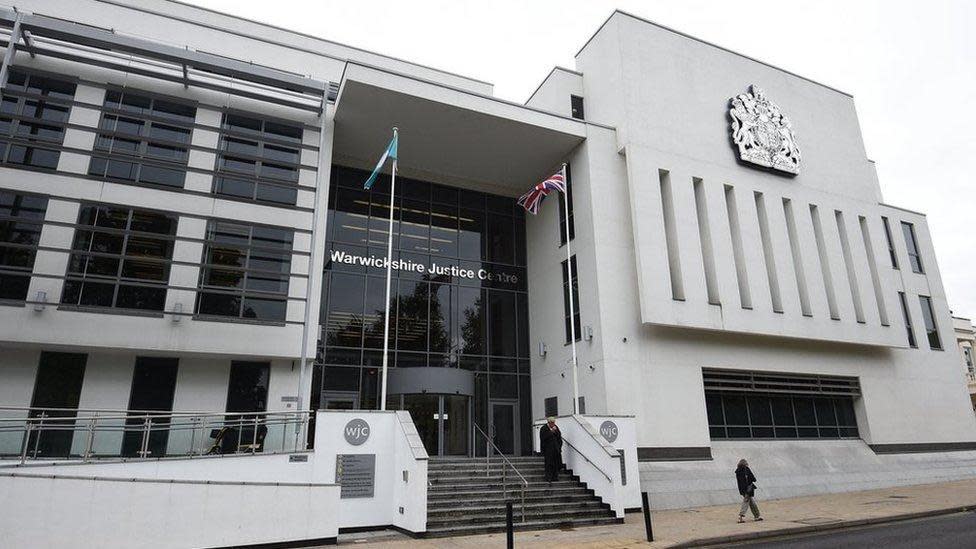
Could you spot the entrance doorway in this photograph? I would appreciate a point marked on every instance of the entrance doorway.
(443, 421)
(503, 427)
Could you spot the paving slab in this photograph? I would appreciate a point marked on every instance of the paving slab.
(717, 524)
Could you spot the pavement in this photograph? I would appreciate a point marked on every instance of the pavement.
(708, 526)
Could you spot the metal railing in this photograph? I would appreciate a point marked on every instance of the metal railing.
(489, 444)
(86, 434)
(595, 466)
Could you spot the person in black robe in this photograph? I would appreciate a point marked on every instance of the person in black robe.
(551, 444)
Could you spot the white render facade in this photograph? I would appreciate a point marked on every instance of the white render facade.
(692, 265)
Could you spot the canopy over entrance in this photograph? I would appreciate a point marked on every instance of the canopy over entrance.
(448, 135)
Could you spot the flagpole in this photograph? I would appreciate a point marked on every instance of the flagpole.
(572, 307)
(389, 272)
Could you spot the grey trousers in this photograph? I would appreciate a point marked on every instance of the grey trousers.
(749, 502)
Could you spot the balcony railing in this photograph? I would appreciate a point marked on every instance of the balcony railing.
(86, 434)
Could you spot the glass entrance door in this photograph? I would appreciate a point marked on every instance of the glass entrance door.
(503, 431)
(441, 420)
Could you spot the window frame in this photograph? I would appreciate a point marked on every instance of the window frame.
(911, 243)
(891, 243)
(576, 314)
(576, 107)
(907, 315)
(123, 257)
(246, 271)
(17, 225)
(262, 139)
(834, 428)
(563, 218)
(104, 151)
(931, 325)
(22, 95)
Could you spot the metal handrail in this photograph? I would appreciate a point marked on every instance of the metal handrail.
(490, 444)
(32, 422)
(595, 466)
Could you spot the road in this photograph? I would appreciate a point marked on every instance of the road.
(943, 532)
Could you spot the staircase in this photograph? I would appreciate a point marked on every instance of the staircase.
(463, 500)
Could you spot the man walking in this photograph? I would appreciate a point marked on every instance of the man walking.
(551, 444)
(747, 489)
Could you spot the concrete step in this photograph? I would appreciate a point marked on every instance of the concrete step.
(498, 499)
(449, 469)
(491, 495)
(532, 508)
(467, 496)
(486, 528)
(439, 460)
(480, 478)
(555, 515)
(495, 485)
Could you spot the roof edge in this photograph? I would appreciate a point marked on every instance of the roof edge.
(281, 29)
(544, 80)
(707, 43)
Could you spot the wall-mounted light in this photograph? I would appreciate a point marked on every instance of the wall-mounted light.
(588, 333)
(40, 300)
(177, 312)
(543, 349)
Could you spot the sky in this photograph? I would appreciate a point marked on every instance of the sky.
(911, 67)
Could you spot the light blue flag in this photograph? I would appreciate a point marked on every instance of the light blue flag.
(390, 152)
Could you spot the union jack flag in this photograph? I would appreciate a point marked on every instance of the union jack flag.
(532, 199)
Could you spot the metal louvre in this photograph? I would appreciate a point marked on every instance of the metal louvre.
(745, 381)
(112, 50)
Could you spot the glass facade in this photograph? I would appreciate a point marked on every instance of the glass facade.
(458, 295)
(776, 415)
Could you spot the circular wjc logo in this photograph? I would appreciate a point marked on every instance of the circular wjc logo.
(609, 430)
(356, 431)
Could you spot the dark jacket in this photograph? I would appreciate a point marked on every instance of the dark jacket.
(550, 442)
(745, 479)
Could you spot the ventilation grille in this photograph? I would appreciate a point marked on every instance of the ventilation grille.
(773, 382)
(333, 91)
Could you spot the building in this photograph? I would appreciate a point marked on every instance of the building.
(185, 230)
(966, 338)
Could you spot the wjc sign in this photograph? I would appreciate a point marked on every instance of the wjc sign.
(356, 431)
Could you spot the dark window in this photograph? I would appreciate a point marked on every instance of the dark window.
(776, 415)
(573, 316)
(258, 160)
(563, 219)
(153, 387)
(33, 116)
(120, 258)
(552, 407)
(914, 257)
(143, 139)
(245, 272)
(928, 316)
(57, 391)
(891, 244)
(576, 103)
(908, 320)
(502, 329)
(21, 220)
(248, 387)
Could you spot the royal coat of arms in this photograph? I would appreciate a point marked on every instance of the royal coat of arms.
(763, 133)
